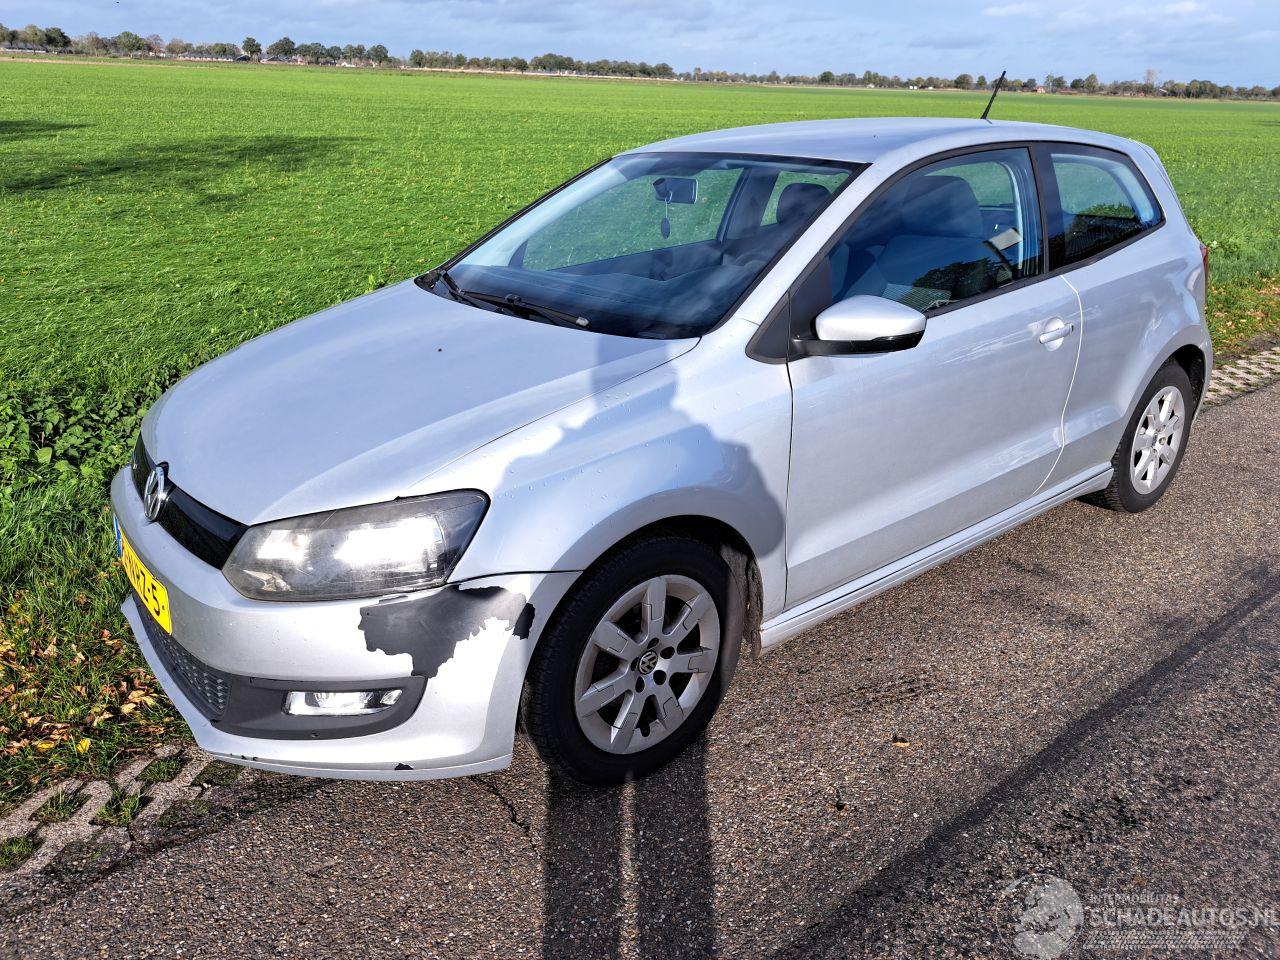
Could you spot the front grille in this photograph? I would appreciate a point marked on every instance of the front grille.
(206, 533)
(206, 687)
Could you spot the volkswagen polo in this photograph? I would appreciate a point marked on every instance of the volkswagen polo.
(701, 397)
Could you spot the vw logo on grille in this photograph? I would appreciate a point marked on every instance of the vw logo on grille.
(155, 492)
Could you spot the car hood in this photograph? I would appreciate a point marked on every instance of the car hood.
(356, 403)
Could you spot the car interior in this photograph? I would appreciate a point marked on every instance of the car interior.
(648, 292)
(928, 241)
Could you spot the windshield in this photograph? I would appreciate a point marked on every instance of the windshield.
(657, 245)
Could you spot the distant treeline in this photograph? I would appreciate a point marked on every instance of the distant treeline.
(54, 40)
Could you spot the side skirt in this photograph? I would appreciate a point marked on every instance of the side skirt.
(813, 612)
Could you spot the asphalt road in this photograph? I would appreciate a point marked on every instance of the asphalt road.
(1093, 698)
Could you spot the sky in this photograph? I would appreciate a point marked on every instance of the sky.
(1229, 41)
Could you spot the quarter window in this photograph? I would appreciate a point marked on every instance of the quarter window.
(945, 233)
(1103, 201)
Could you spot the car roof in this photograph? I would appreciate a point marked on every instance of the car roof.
(871, 139)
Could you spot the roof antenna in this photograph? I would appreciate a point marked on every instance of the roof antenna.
(994, 90)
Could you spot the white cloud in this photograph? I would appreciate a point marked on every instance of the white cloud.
(1009, 10)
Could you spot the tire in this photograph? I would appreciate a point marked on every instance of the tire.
(571, 670)
(1133, 494)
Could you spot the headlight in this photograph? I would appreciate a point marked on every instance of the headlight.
(359, 552)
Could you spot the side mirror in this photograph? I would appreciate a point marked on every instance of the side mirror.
(864, 324)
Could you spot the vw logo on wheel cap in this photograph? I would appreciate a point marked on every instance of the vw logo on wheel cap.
(156, 491)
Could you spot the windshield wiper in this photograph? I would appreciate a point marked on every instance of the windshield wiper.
(505, 302)
(440, 275)
(550, 314)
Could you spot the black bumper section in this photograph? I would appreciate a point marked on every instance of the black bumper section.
(254, 707)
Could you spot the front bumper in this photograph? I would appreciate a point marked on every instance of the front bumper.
(465, 646)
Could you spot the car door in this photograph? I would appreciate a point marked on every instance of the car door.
(892, 452)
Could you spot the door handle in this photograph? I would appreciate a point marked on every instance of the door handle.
(1054, 333)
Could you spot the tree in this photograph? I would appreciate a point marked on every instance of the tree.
(1150, 77)
(31, 34)
(378, 53)
(1091, 83)
(56, 39)
(92, 43)
(284, 47)
(128, 42)
(826, 77)
(417, 59)
(964, 81)
(252, 47)
(557, 63)
(176, 47)
(982, 81)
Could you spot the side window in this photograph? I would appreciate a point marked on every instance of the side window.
(945, 233)
(592, 231)
(1103, 200)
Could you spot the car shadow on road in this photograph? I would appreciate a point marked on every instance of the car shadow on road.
(593, 867)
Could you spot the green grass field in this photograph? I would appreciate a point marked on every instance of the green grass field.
(155, 215)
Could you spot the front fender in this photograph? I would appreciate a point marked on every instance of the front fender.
(707, 435)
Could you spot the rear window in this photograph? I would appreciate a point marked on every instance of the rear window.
(1103, 201)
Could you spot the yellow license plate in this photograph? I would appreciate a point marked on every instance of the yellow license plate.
(151, 592)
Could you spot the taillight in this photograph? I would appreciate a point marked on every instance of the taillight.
(1204, 259)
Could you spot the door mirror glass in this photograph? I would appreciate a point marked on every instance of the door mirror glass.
(870, 324)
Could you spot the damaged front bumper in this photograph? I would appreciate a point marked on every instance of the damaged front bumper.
(457, 653)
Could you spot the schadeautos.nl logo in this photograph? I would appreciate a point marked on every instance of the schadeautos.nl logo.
(1048, 917)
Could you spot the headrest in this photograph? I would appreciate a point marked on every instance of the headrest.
(940, 206)
(798, 200)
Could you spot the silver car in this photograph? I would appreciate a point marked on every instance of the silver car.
(705, 395)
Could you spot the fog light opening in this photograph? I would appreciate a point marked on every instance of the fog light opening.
(335, 703)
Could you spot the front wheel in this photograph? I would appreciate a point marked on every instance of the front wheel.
(632, 668)
(1153, 444)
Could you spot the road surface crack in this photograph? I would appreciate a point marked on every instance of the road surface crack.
(520, 823)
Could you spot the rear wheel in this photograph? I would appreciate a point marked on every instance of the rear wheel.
(634, 665)
(1153, 444)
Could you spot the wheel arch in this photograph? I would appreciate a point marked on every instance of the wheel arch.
(721, 536)
(1195, 364)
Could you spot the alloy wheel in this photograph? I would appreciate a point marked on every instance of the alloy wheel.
(647, 664)
(1157, 440)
